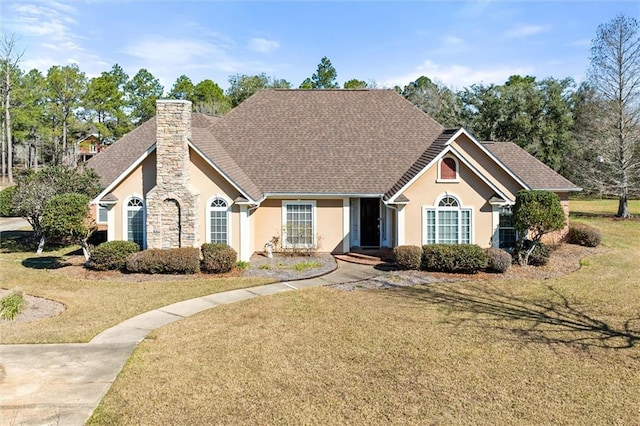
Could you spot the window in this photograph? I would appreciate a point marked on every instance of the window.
(507, 236)
(447, 223)
(219, 221)
(135, 221)
(102, 214)
(298, 224)
(448, 169)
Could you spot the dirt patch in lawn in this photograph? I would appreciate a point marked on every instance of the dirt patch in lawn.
(34, 308)
(290, 268)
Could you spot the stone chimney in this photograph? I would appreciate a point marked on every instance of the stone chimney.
(172, 205)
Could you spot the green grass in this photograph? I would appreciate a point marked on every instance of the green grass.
(557, 351)
(11, 305)
(305, 265)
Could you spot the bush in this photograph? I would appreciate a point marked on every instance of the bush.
(6, 201)
(11, 305)
(540, 255)
(583, 235)
(467, 258)
(408, 257)
(218, 258)
(499, 260)
(183, 260)
(112, 255)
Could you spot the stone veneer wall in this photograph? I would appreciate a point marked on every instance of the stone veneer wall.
(172, 205)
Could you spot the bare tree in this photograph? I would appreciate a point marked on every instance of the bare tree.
(615, 76)
(9, 60)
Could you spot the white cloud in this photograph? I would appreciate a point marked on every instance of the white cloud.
(583, 42)
(452, 41)
(458, 76)
(262, 45)
(524, 30)
(50, 21)
(168, 58)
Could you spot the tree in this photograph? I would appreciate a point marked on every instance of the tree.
(35, 189)
(209, 98)
(324, 77)
(9, 60)
(536, 115)
(242, 86)
(142, 92)
(355, 84)
(615, 76)
(66, 86)
(182, 89)
(535, 214)
(66, 216)
(438, 101)
(29, 117)
(105, 101)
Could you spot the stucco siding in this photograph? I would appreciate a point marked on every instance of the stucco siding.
(267, 223)
(470, 190)
(487, 166)
(208, 184)
(139, 182)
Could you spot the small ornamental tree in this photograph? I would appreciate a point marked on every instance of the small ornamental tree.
(67, 216)
(535, 214)
(35, 190)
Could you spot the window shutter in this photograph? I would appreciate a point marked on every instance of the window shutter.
(448, 168)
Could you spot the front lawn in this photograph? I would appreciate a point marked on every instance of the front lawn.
(559, 351)
(94, 301)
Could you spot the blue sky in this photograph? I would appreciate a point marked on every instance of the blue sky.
(453, 42)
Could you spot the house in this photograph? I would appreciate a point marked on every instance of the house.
(336, 169)
(87, 147)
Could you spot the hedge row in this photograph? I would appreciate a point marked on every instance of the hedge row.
(183, 260)
(466, 258)
(126, 256)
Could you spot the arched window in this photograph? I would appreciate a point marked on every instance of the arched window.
(447, 223)
(135, 214)
(448, 169)
(219, 221)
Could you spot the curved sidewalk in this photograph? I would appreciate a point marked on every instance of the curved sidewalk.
(46, 384)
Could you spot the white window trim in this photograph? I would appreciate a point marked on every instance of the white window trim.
(106, 209)
(125, 219)
(208, 218)
(461, 207)
(457, 178)
(285, 203)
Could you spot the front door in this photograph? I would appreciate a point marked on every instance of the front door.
(369, 222)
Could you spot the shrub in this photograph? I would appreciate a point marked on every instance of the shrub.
(408, 257)
(540, 254)
(242, 265)
(218, 258)
(499, 260)
(6, 201)
(584, 235)
(468, 258)
(11, 305)
(112, 255)
(183, 260)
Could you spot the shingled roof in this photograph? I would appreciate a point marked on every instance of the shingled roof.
(351, 142)
(325, 141)
(531, 171)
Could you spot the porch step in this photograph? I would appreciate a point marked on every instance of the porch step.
(377, 259)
